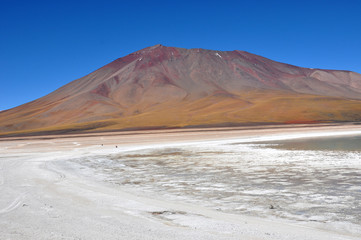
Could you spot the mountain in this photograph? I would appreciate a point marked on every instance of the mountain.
(174, 87)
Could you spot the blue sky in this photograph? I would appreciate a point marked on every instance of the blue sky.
(46, 44)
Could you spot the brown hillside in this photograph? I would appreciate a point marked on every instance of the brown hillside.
(173, 87)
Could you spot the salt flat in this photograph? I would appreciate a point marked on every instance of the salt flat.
(48, 195)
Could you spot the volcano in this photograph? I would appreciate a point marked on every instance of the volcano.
(163, 87)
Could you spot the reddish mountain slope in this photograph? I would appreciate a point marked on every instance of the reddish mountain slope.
(173, 87)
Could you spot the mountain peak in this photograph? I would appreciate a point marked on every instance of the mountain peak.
(174, 87)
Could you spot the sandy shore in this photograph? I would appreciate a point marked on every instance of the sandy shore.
(39, 200)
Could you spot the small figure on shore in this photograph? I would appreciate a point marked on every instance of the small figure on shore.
(102, 145)
(116, 146)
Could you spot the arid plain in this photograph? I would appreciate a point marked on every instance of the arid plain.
(46, 197)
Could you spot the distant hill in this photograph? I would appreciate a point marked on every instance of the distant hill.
(162, 86)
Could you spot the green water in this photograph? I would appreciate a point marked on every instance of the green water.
(344, 143)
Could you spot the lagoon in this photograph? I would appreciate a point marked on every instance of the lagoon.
(315, 180)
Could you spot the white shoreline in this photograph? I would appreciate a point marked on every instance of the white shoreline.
(41, 201)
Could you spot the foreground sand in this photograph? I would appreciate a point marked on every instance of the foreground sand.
(40, 200)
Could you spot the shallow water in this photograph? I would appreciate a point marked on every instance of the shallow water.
(349, 143)
(303, 180)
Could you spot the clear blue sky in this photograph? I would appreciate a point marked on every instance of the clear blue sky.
(46, 44)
